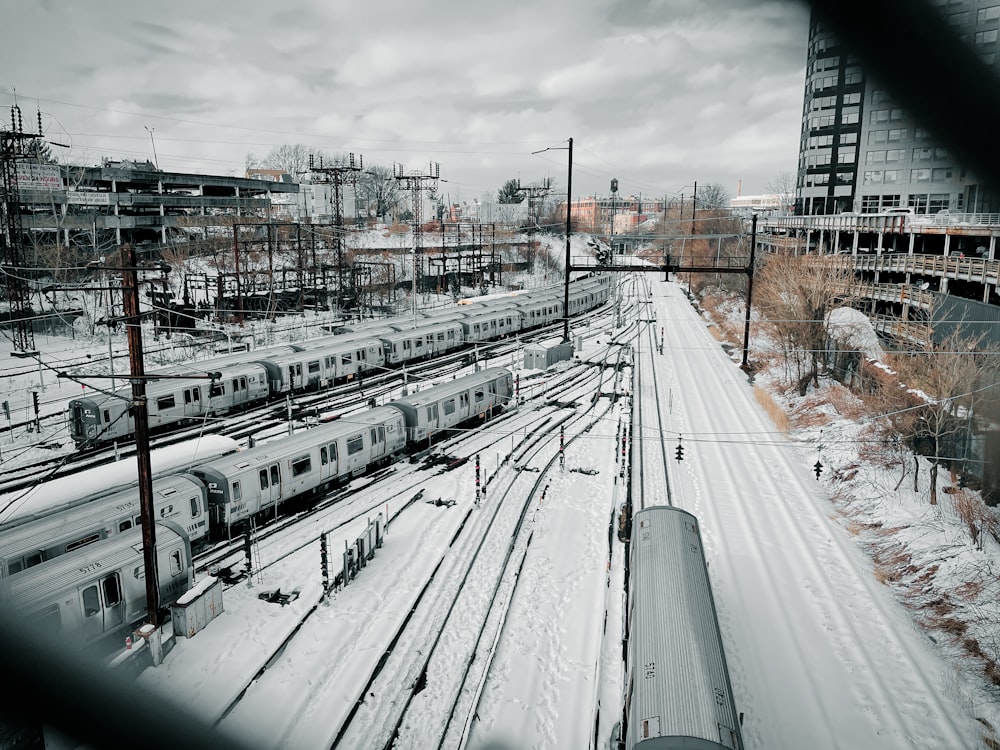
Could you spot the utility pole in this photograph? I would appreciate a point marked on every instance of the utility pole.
(337, 175)
(569, 229)
(415, 182)
(133, 324)
(532, 192)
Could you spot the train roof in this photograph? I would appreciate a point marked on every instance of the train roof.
(674, 626)
(64, 492)
(279, 448)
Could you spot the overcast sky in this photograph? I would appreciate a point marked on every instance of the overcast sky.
(658, 93)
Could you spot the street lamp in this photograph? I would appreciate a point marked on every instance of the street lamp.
(569, 228)
(156, 161)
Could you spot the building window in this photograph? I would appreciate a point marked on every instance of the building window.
(880, 96)
(938, 202)
(875, 157)
(873, 177)
(922, 154)
(940, 174)
(897, 134)
(850, 118)
(921, 133)
(891, 175)
(988, 14)
(959, 19)
(895, 154)
(890, 201)
(869, 204)
(920, 175)
(986, 37)
(848, 138)
(918, 203)
(846, 156)
(879, 115)
(852, 78)
(854, 98)
(876, 136)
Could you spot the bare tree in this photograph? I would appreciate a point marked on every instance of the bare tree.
(712, 195)
(291, 159)
(795, 296)
(783, 185)
(379, 190)
(949, 373)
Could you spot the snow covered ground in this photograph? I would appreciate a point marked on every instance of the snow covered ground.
(810, 580)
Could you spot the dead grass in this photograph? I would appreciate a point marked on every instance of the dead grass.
(771, 408)
(845, 402)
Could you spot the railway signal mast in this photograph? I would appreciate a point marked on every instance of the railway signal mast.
(416, 183)
(15, 169)
(338, 175)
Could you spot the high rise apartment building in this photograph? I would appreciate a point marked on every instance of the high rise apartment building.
(861, 152)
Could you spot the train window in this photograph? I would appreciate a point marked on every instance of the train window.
(196, 394)
(216, 390)
(91, 601)
(243, 383)
(35, 558)
(301, 465)
(381, 434)
(14, 566)
(112, 590)
(333, 451)
(355, 444)
(82, 542)
(176, 567)
(347, 358)
(187, 396)
(480, 395)
(373, 436)
(449, 406)
(166, 511)
(107, 415)
(237, 491)
(275, 476)
(194, 506)
(165, 402)
(236, 385)
(45, 621)
(125, 525)
(313, 366)
(323, 456)
(263, 479)
(362, 356)
(464, 400)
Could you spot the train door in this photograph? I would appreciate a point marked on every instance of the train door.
(192, 401)
(433, 419)
(270, 485)
(103, 606)
(378, 442)
(295, 376)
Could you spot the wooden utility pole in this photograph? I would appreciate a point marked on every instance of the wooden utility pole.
(140, 414)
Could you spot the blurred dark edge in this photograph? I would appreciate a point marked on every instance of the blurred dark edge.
(906, 45)
(909, 48)
(49, 683)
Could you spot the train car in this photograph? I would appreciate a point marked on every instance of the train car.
(536, 311)
(104, 418)
(487, 326)
(258, 480)
(448, 405)
(180, 498)
(99, 591)
(429, 339)
(323, 364)
(678, 692)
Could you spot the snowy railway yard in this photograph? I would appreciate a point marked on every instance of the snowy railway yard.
(493, 613)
